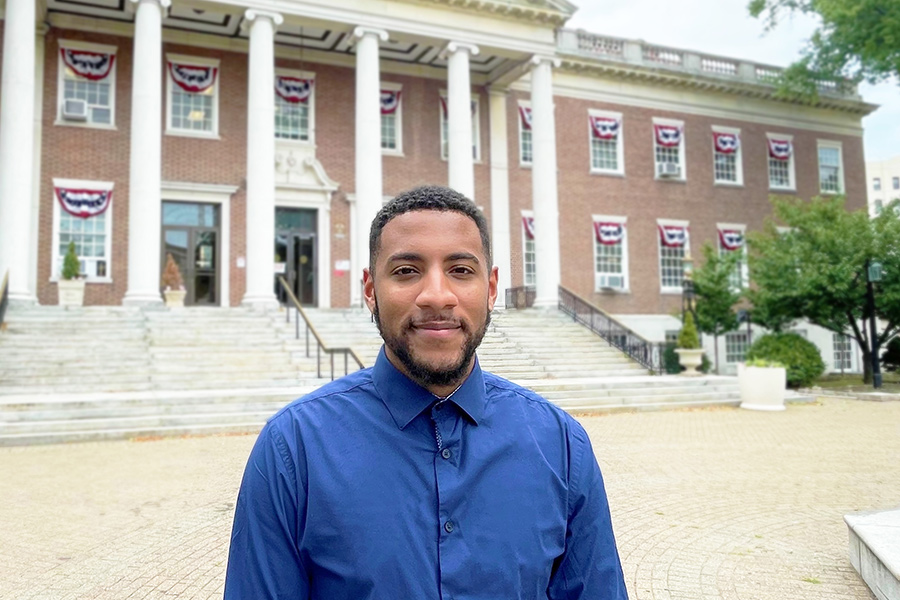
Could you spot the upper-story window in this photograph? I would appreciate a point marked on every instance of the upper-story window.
(674, 243)
(668, 149)
(831, 172)
(876, 184)
(610, 254)
(476, 129)
(87, 84)
(605, 138)
(525, 147)
(193, 98)
(781, 161)
(294, 105)
(895, 183)
(879, 206)
(528, 255)
(391, 118)
(83, 215)
(732, 240)
(727, 160)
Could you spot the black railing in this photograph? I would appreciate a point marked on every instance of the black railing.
(321, 347)
(648, 354)
(520, 297)
(4, 301)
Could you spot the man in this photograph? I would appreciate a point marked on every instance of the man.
(423, 477)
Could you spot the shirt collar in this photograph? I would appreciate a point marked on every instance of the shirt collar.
(405, 399)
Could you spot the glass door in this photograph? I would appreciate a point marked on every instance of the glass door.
(190, 234)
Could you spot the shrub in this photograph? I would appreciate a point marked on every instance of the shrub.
(171, 278)
(71, 266)
(763, 363)
(890, 360)
(687, 337)
(800, 357)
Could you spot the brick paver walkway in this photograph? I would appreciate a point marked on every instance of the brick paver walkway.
(706, 504)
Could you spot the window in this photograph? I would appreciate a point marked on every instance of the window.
(727, 164)
(673, 243)
(731, 239)
(82, 214)
(293, 105)
(879, 206)
(391, 118)
(87, 84)
(605, 134)
(668, 149)
(445, 128)
(193, 98)
(781, 161)
(831, 177)
(525, 148)
(876, 184)
(843, 355)
(610, 254)
(528, 263)
(895, 183)
(736, 344)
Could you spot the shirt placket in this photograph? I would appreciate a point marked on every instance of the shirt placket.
(444, 420)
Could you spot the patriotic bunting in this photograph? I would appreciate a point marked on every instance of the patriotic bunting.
(90, 65)
(83, 203)
(390, 101)
(528, 222)
(667, 135)
(780, 149)
(525, 117)
(609, 234)
(673, 236)
(726, 143)
(604, 128)
(192, 78)
(731, 239)
(293, 89)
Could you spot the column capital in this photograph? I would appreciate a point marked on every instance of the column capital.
(163, 4)
(537, 59)
(494, 90)
(454, 47)
(251, 14)
(361, 32)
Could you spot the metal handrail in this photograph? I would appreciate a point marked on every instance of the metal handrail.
(4, 300)
(520, 297)
(320, 345)
(648, 354)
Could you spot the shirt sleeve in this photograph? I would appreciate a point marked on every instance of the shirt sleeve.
(264, 561)
(589, 568)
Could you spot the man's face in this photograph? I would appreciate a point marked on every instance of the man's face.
(431, 293)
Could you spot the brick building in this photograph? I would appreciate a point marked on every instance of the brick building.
(138, 129)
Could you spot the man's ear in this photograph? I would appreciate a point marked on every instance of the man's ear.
(492, 287)
(369, 289)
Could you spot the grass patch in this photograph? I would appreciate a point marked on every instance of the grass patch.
(853, 382)
(811, 580)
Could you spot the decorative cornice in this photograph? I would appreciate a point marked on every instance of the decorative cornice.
(553, 13)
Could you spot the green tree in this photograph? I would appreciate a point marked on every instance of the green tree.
(715, 294)
(856, 40)
(815, 269)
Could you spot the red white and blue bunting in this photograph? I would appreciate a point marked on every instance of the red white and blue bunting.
(780, 149)
(390, 101)
(90, 65)
(604, 128)
(673, 236)
(528, 225)
(83, 203)
(293, 89)
(609, 234)
(525, 117)
(193, 78)
(726, 143)
(667, 135)
(731, 239)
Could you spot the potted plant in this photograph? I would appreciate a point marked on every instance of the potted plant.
(71, 285)
(762, 383)
(690, 354)
(173, 285)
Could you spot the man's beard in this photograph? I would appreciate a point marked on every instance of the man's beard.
(425, 374)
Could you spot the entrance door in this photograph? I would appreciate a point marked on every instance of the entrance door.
(190, 234)
(296, 253)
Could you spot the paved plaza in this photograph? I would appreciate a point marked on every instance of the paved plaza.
(706, 504)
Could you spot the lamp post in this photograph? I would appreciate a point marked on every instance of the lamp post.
(687, 287)
(873, 274)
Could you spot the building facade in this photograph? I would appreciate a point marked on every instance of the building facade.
(250, 141)
(883, 183)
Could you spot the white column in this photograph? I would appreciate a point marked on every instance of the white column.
(145, 169)
(461, 176)
(369, 192)
(543, 181)
(17, 147)
(500, 191)
(261, 160)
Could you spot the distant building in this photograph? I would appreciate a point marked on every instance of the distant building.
(883, 183)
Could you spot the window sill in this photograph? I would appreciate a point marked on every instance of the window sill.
(85, 125)
(671, 291)
(612, 291)
(671, 179)
(788, 190)
(608, 173)
(524, 165)
(103, 280)
(728, 184)
(298, 143)
(197, 135)
(830, 193)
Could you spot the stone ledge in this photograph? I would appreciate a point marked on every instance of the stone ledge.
(875, 550)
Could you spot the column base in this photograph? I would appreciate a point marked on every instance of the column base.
(142, 299)
(22, 300)
(260, 301)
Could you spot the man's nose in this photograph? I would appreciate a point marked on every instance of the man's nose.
(437, 291)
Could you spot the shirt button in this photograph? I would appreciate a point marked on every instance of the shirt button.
(446, 453)
(448, 526)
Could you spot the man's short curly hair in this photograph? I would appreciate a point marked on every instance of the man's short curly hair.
(427, 197)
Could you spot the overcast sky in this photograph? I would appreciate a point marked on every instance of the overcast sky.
(724, 27)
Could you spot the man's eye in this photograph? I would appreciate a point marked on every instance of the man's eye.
(404, 271)
(462, 270)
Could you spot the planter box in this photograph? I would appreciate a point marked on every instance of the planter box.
(71, 292)
(175, 298)
(762, 388)
(690, 359)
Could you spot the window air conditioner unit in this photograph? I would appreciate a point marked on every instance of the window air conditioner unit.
(668, 169)
(75, 110)
(609, 282)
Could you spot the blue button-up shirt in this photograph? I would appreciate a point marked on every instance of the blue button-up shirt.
(372, 488)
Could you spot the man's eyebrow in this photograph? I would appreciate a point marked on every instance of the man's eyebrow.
(405, 256)
(462, 256)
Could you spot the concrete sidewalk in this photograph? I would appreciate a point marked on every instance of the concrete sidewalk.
(707, 504)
